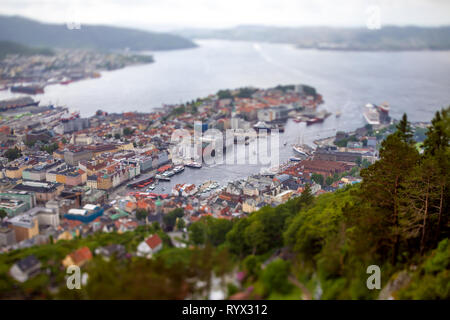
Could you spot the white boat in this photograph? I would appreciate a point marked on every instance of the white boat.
(169, 173)
(371, 114)
(178, 169)
(194, 165)
(302, 150)
(162, 177)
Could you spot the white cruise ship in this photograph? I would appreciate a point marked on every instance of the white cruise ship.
(371, 114)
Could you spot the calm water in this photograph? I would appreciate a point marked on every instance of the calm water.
(414, 82)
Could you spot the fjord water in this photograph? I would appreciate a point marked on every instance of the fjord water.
(414, 82)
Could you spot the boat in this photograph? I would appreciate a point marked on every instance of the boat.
(169, 173)
(297, 120)
(33, 89)
(178, 169)
(295, 159)
(375, 115)
(371, 114)
(194, 165)
(162, 177)
(303, 150)
(313, 121)
(66, 80)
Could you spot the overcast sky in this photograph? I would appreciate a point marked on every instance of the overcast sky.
(171, 14)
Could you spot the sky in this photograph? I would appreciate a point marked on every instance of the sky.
(175, 14)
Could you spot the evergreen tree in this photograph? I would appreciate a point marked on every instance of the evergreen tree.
(438, 137)
(382, 183)
(404, 130)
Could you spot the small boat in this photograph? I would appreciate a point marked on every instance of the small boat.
(295, 159)
(194, 165)
(313, 121)
(178, 169)
(303, 150)
(66, 81)
(162, 177)
(169, 173)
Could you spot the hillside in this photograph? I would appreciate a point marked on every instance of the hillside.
(387, 38)
(9, 47)
(34, 33)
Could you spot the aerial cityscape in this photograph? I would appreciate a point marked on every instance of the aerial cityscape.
(212, 163)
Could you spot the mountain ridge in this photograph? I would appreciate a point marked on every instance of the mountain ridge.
(34, 33)
(392, 38)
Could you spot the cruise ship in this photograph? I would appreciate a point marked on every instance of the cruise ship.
(376, 115)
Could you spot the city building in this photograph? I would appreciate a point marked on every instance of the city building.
(78, 258)
(7, 236)
(24, 226)
(87, 214)
(149, 246)
(44, 191)
(25, 268)
(16, 202)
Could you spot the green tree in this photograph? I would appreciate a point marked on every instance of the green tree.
(141, 214)
(180, 224)
(50, 148)
(438, 135)
(236, 239)
(306, 198)
(252, 265)
(317, 178)
(13, 154)
(128, 131)
(256, 238)
(171, 218)
(382, 183)
(329, 180)
(224, 94)
(404, 130)
(217, 230)
(3, 213)
(275, 277)
(197, 233)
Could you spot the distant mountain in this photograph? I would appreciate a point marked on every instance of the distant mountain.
(386, 38)
(33, 33)
(9, 47)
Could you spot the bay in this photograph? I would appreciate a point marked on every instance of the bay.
(415, 82)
